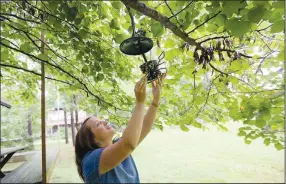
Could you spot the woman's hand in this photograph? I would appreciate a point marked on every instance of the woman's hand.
(157, 88)
(140, 90)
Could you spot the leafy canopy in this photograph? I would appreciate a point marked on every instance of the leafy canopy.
(226, 66)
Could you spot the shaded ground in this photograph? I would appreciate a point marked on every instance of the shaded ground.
(195, 156)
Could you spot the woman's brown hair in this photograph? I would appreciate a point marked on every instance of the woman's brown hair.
(84, 142)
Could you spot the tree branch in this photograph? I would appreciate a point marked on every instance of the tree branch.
(145, 10)
(251, 92)
(204, 22)
(131, 19)
(208, 94)
(244, 55)
(28, 20)
(258, 30)
(86, 89)
(218, 69)
(213, 38)
(49, 48)
(264, 43)
(56, 54)
(27, 34)
(268, 37)
(158, 5)
(262, 61)
(72, 25)
(174, 15)
(3, 18)
(10, 42)
(33, 72)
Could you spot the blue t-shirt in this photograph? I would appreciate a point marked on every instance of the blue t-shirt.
(125, 172)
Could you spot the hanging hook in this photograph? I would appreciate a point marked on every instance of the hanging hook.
(161, 56)
(132, 19)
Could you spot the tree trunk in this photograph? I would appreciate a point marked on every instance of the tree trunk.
(72, 127)
(29, 125)
(76, 113)
(66, 126)
(30, 133)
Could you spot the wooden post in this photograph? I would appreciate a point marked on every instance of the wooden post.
(58, 106)
(66, 126)
(43, 110)
(72, 127)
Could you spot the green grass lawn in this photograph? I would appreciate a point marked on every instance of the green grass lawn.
(194, 156)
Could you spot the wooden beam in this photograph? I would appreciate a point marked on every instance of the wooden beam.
(43, 112)
(5, 104)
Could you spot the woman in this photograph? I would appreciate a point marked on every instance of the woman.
(98, 159)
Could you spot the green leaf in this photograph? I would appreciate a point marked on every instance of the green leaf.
(260, 123)
(278, 4)
(279, 146)
(170, 54)
(221, 19)
(247, 141)
(235, 114)
(273, 16)
(264, 114)
(196, 22)
(100, 76)
(233, 80)
(120, 37)
(254, 103)
(170, 43)
(241, 133)
(159, 126)
(277, 27)
(187, 20)
(83, 33)
(196, 124)
(235, 65)
(85, 69)
(43, 57)
(231, 7)
(157, 29)
(77, 21)
(249, 122)
(238, 27)
(4, 55)
(265, 104)
(267, 141)
(198, 100)
(245, 66)
(26, 47)
(97, 67)
(184, 128)
(116, 4)
(114, 24)
(72, 13)
(281, 55)
(256, 14)
(223, 128)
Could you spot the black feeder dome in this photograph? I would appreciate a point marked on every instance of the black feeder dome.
(136, 45)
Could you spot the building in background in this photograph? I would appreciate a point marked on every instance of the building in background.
(55, 120)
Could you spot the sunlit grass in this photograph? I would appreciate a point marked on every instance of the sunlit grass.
(194, 156)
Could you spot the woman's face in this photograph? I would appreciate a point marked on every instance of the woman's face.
(101, 129)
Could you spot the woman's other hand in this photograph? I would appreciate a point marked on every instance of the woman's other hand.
(140, 90)
(157, 88)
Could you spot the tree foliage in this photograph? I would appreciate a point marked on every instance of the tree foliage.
(224, 58)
